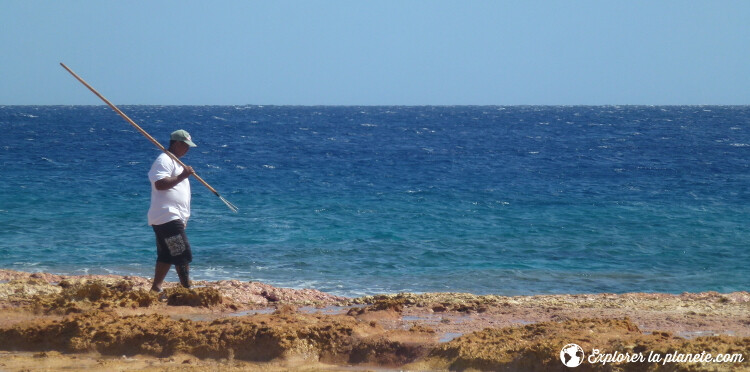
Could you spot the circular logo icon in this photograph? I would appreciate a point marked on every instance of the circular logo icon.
(571, 355)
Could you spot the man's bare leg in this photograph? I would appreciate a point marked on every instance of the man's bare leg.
(160, 273)
(183, 272)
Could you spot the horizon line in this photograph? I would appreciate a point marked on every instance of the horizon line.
(399, 105)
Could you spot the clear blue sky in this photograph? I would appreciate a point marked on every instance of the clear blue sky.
(376, 52)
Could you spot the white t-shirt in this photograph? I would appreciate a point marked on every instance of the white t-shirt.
(172, 204)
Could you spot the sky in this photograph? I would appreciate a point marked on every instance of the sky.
(350, 52)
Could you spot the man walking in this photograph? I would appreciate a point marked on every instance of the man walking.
(170, 211)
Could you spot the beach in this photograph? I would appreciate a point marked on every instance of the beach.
(110, 322)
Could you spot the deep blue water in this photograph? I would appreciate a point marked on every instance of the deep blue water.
(363, 200)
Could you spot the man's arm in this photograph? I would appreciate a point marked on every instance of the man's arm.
(167, 183)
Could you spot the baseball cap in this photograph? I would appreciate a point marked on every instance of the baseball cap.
(183, 136)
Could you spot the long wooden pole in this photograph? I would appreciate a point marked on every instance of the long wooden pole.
(148, 136)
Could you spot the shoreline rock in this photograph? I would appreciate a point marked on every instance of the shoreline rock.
(249, 322)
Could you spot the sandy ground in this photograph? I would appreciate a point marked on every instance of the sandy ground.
(98, 323)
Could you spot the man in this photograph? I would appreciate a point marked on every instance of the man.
(170, 211)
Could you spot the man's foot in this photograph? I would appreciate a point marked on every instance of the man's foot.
(155, 289)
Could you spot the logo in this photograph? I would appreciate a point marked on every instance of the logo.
(571, 355)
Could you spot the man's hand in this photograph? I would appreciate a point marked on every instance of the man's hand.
(167, 183)
(187, 172)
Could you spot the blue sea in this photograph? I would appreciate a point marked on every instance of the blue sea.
(364, 200)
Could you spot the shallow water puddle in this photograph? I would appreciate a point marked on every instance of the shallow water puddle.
(253, 312)
(695, 334)
(329, 310)
(449, 336)
(438, 318)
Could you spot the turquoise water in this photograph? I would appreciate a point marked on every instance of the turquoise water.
(363, 200)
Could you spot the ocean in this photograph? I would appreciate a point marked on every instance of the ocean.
(513, 200)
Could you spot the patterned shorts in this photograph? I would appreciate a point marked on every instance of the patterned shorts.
(172, 245)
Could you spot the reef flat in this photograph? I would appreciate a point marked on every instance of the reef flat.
(57, 322)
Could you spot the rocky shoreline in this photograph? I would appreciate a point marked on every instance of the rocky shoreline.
(113, 322)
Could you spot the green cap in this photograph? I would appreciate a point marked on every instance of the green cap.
(182, 136)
